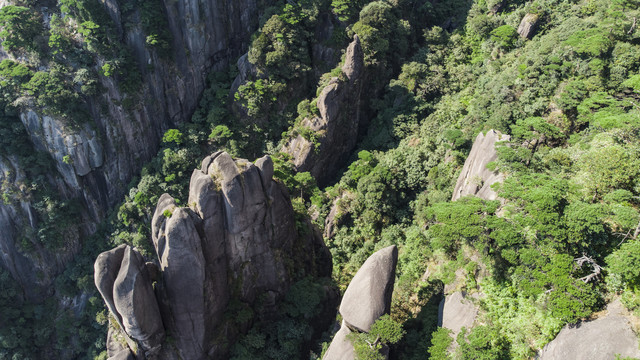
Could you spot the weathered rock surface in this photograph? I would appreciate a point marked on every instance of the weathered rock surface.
(603, 338)
(336, 129)
(97, 160)
(366, 299)
(528, 26)
(106, 269)
(368, 295)
(475, 178)
(340, 348)
(455, 312)
(124, 354)
(238, 238)
(135, 302)
(123, 281)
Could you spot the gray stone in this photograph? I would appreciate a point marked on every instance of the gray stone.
(603, 338)
(354, 60)
(124, 354)
(166, 205)
(136, 303)
(340, 348)
(106, 269)
(265, 164)
(182, 264)
(206, 200)
(368, 295)
(475, 178)
(110, 149)
(246, 71)
(336, 128)
(238, 233)
(115, 342)
(528, 26)
(455, 312)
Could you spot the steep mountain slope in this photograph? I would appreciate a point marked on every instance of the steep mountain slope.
(549, 239)
(117, 130)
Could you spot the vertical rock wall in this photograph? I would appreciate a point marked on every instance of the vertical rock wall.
(96, 161)
(236, 240)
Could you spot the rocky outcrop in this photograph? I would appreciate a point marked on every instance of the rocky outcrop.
(528, 26)
(497, 7)
(368, 295)
(237, 239)
(335, 130)
(603, 338)
(366, 299)
(124, 283)
(95, 161)
(455, 312)
(475, 178)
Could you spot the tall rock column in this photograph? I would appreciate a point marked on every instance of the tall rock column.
(95, 161)
(236, 240)
(124, 282)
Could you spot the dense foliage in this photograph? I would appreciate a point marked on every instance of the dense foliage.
(439, 73)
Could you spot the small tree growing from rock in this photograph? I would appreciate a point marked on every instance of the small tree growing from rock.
(368, 346)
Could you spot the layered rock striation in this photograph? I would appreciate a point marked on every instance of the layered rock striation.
(366, 299)
(236, 240)
(334, 132)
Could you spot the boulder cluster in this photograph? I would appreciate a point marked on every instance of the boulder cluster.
(237, 239)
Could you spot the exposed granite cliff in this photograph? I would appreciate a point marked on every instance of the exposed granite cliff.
(366, 299)
(608, 337)
(236, 240)
(475, 178)
(336, 128)
(95, 161)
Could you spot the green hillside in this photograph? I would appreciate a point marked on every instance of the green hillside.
(438, 74)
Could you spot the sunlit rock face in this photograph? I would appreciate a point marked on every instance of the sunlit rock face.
(366, 299)
(475, 178)
(93, 162)
(237, 239)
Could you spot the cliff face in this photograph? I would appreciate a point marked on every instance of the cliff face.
(475, 178)
(336, 128)
(366, 299)
(236, 240)
(95, 161)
